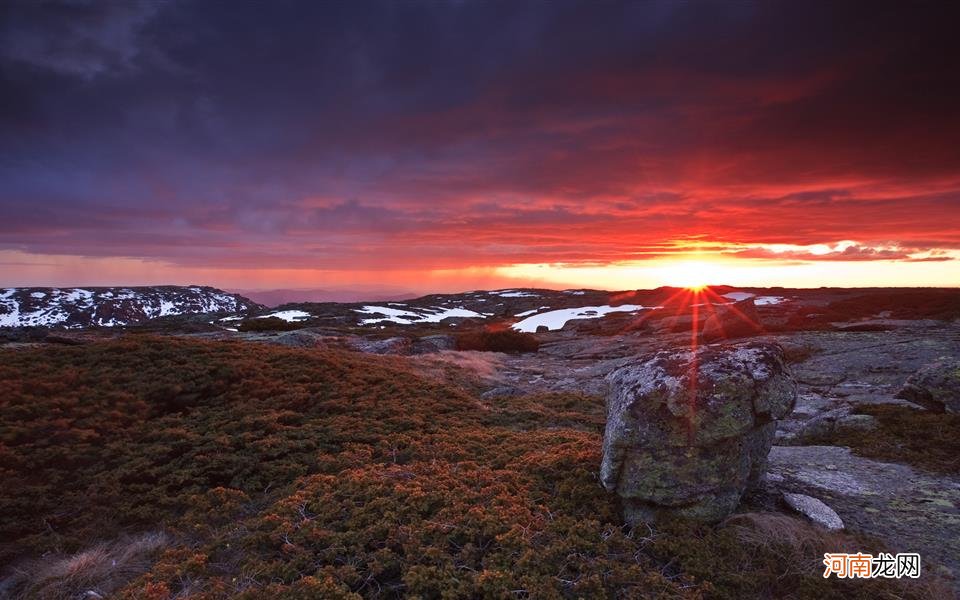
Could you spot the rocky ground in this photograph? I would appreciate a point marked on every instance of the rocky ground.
(910, 509)
(837, 371)
(839, 365)
(846, 349)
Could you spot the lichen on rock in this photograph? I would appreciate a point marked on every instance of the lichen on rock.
(935, 386)
(688, 431)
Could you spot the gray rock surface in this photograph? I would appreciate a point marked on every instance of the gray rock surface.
(394, 345)
(433, 343)
(935, 386)
(737, 320)
(688, 431)
(814, 510)
(301, 339)
(864, 368)
(501, 391)
(826, 424)
(911, 510)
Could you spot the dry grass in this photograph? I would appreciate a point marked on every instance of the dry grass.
(502, 340)
(800, 547)
(803, 544)
(485, 366)
(91, 573)
(920, 438)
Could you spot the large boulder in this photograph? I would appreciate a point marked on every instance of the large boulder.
(689, 431)
(732, 321)
(935, 386)
(394, 345)
(301, 339)
(429, 344)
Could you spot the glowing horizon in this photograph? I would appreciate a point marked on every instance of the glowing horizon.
(694, 270)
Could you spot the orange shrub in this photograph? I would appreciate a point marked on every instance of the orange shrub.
(294, 473)
(504, 340)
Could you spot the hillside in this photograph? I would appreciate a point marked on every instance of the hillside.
(112, 306)
(532, 310)
(161, 467)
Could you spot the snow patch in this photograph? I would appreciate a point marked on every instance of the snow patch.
(80, 307)
(78, 295)
(168, 308)
(515, 294)
(527, 313)
(408, 317)
(290, 316)
(758, 300)
(556, 319)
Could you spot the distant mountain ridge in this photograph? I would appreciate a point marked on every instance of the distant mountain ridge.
(277, 297)
(481, 306)
(112, 306)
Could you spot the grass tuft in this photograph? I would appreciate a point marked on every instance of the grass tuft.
(919, 438)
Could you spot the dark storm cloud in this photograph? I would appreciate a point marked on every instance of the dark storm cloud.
(82, 38)
(480, 132)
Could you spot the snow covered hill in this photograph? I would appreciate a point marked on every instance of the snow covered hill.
(526, 310)
(113, 306)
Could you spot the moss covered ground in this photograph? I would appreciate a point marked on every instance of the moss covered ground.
(290, 473)
(920, 438)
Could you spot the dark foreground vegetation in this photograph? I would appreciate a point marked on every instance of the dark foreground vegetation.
(922, 439)
(268, 324)
(903, 303)
(502, 340)
(157, 468)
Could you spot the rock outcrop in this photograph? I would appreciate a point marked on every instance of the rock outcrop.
(301, 339)
(825, 425)
(429, 344)
(935, 386)
(903, 506)
(814, 510)
(737, 320)
(689, 431)
(393, 345)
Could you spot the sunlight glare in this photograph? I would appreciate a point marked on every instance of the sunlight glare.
(692, 275)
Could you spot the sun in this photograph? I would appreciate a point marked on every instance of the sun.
(692, 275)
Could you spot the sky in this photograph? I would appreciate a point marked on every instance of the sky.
(444, 146)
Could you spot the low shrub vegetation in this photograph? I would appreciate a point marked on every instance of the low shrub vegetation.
(502, 340)
(268, 324)
(292, 473)
(923, 439)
